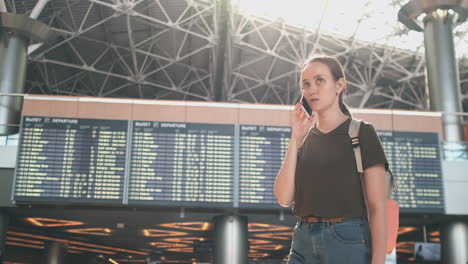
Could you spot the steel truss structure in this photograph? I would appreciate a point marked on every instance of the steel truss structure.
(208, 50)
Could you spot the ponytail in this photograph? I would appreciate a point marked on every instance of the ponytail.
(343, 107)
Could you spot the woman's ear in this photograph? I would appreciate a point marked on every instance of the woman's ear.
(341, 85)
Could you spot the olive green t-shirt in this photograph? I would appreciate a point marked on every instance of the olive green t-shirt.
(326, 180)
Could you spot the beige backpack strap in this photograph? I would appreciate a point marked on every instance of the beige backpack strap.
(353, 134)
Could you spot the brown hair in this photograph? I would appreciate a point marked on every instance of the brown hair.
(337, 72)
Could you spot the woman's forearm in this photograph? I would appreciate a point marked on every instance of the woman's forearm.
(284, 184)
(378, 227)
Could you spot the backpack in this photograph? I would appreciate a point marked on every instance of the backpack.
(393, 210)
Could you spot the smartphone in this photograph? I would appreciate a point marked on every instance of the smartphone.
(305, 106)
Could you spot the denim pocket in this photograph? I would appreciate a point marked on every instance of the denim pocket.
(349, 232)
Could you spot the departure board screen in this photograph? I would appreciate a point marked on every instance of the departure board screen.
(262, 150)
(415, 160)
(182, 164)
(71, 160)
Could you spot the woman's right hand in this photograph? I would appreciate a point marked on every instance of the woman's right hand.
(300, 124)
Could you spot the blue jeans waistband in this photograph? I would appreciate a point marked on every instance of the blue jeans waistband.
(345, 220)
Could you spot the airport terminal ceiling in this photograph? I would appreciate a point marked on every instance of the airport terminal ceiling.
(228, 50)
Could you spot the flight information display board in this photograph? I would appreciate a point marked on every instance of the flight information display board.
(415, 160)
(262, 150)
(71, 160)
(182, 164)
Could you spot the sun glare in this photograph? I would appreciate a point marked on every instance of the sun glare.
(372, 21)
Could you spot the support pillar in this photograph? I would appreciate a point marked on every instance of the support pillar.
(56, 252)
(230, 239)
(440, 17)
(443, 78)
(16, 31)
(454, 242)
(13, 52)
(442, 71)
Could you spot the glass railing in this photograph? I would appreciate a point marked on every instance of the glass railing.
(452, 151)
(11, 140)
(455, 150)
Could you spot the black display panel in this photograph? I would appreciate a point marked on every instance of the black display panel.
(262, 150)
(182, 164)
(71, 160)
(415, 160)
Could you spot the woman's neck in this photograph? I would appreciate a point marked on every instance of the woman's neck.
(329, 120)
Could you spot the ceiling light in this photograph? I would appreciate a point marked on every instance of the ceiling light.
(161, 233)
(267, 247)
(280, 236)
(256, 227)
(10, 243)
(91, 231)
(186, 250)
(196, 226)
(189, 240)
(48, 222)
(258, 241)
(407, 229)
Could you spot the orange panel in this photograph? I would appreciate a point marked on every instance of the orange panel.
(159, 112)
(400, 120)
(379, 121)
(264, 116)
(418, 123)
(210, 114)
(47, 106)
(466, 132)
(105, 110)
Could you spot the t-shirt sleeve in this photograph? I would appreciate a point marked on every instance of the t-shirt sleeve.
(371, 148)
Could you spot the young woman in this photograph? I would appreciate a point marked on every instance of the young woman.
(319, 176)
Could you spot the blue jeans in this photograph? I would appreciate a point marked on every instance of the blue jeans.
(331, 243)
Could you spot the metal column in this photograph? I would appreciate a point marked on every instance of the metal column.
(442, 71)
(454, 237)
(230, 239)
(440, 17)
(56, 252)
(13, 51)
(16, 31)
